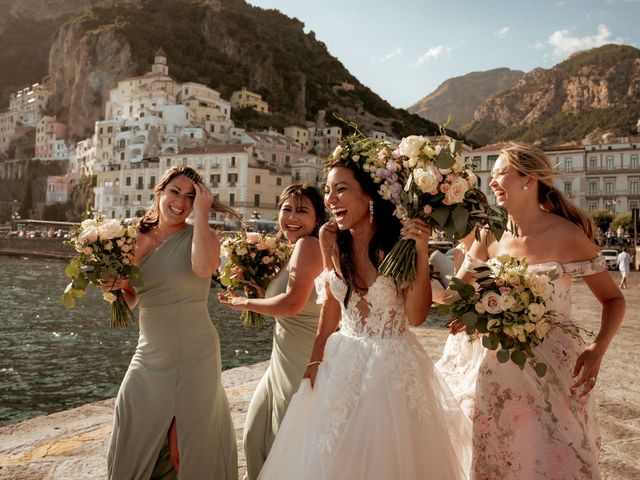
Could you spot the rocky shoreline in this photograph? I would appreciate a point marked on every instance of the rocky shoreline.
(72, 444)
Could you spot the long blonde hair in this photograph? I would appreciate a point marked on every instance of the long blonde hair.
(152, 216)
(533, 162)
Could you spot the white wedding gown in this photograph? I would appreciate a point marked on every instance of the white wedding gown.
(379, 409)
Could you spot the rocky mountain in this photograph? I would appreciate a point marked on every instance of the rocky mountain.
(591, 93)
(26, 29)
(460, 96)
(225, 44)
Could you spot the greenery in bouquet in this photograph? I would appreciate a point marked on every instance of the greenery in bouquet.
(425, 180)
(105, 251)
(250, 261)
(509, 311)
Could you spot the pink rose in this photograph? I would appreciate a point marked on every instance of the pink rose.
(455, 194)
(427, 209)
(261, 246)
(253, 238)
(491, 302)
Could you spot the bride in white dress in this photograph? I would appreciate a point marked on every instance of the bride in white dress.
(372, 405)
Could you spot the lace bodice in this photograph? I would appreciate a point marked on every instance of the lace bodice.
(378, 313)
(563, 274)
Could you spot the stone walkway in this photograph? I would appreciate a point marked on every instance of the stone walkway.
(72, 445)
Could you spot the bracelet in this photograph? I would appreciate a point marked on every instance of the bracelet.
(311, 364)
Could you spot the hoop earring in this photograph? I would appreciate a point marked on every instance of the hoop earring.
(370, 211)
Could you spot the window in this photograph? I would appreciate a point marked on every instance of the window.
(633, 204)
(287, 159)
(138, 198)
(127, 213)
(609, 160)
(634, 162)
(593, 187)
(609, 185)
(633, 186)
(568, 190)
(232, 199)
(273, 158)
(126, 200)
(121, 155)
(278, 181)
(491, 160)
(277, 200)
(127, 181)
(168, 162)
(151, 197)
(593, 206)
(593, 163)
(152, 181)
(214, 179)
(257, 179)
(476, 162)
(233, 161)
(296, 177)
(232, 178)
(256, 200)
(568, 165)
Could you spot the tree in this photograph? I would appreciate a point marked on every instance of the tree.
(27, 202)
(603, 219)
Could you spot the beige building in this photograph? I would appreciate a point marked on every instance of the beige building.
(300, 134)
(246, 98)
(597, 176)
(50, 139)
(308, 169)
(233, 171)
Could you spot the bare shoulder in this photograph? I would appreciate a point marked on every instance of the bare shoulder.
(570, 240)
(307, 248)
(328, 234)
(480, 249)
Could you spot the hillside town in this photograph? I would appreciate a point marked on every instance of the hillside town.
(152, 122)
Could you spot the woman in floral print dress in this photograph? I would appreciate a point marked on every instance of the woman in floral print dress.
(526, 427)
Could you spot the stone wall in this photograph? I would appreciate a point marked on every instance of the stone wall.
(39, 247)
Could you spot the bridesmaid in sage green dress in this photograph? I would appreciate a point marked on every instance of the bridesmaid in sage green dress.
(173, 385)
(291, 299)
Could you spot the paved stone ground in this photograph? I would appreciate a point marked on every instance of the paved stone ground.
(72, 445)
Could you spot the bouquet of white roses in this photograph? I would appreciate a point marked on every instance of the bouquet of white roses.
(510, 310)
(105, 251)
(251, 260)
(425, 181)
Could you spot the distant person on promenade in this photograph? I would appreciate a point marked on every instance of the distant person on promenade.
(624, 265)
(173, 385)
(525, 426)
(291, 299)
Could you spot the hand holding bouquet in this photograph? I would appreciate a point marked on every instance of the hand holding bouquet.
(510, 310)
(105, 251)
(251, 261)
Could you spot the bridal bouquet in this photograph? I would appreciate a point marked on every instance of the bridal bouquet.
(105, 251)
(251, 260)
(424, 180)
(509, 310)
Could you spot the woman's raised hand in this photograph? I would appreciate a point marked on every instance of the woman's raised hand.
(112, 284)
(204, 199)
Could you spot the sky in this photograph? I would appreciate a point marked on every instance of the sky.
(404, 49)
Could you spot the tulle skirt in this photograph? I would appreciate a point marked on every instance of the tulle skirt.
(379, 410)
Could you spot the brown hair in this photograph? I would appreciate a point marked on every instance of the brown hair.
(533, 162)
(300, 190)
(151, 217)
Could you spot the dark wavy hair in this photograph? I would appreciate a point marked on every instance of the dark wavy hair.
(386, 225)
(304, 190)
(152, 216)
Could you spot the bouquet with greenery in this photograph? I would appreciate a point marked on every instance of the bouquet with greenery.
(423, 180)
(510, 310)
(105, 251)
(250, 261)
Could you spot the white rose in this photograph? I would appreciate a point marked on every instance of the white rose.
(253, 238)
(429, 151)
(88, 235)
(506, 302)
(425, 181)
(459, 165)
(518, 331)
(536, 311)
(472, 179)
(479, 308)
(529, 327)
(456, 191)
(542, 329)
(540, 285)
(524, 298)
(89, 222)
(110, 229)
(126, 248)
(132, 231)
(241, 251)
(412, 145)
(491, 302)
(493, 323)
(271, 244)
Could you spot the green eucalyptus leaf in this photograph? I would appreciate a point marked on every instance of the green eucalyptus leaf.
(440, 215)
(445, 159)
(502, 356)
(67, 300)
(460, 216)
(541, 369)
(470, 318)
(519, 358)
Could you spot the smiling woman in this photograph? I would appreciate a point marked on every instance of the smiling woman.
(173, 384)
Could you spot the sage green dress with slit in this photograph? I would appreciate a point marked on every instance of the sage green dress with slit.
(175, 372)
(293, 338)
